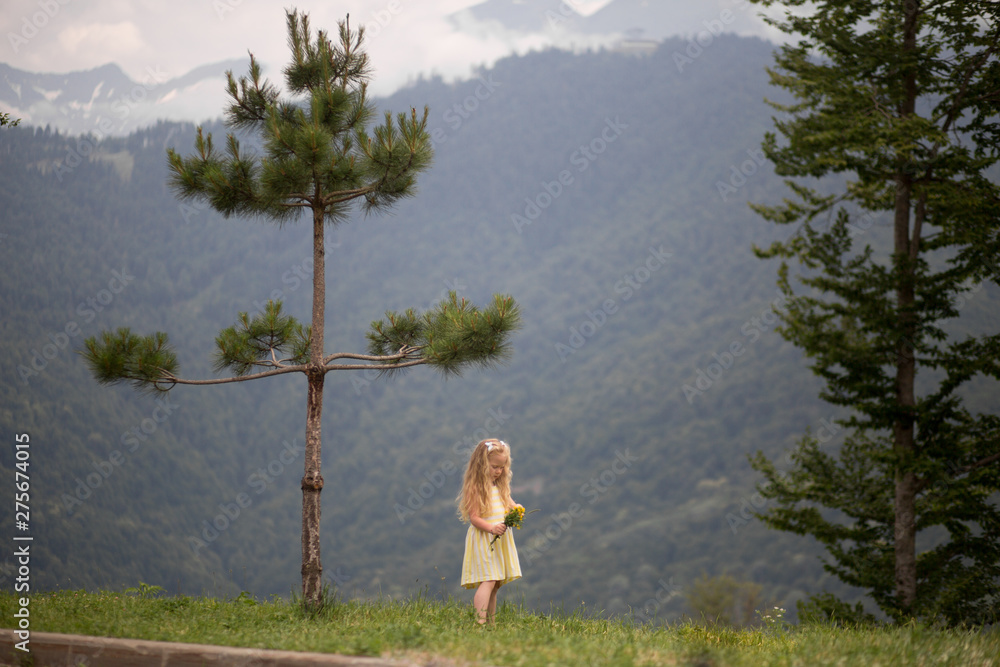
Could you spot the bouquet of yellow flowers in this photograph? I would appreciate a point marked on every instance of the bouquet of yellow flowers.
(512, 519)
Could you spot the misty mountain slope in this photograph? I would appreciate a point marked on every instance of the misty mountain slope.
(104, 101)
(606, 193)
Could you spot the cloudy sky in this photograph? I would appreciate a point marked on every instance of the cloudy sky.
(405, 37)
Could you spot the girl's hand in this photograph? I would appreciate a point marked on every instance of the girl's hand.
(498, 528)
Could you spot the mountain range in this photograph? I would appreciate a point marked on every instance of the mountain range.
(104, 101)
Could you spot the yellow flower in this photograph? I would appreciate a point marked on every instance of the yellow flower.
(512, 518)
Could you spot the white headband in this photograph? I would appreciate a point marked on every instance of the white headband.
(491, 445)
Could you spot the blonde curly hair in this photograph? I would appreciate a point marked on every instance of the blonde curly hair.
(475, 494)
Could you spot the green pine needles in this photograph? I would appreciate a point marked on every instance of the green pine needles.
(318, 153)
(256, 343)
(123, 356)
(452, 335)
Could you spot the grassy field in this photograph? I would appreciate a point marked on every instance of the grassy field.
(422, 630)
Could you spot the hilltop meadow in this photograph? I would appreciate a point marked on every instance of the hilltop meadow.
(424, 631)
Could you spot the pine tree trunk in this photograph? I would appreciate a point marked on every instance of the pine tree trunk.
(312, 480)
(312, 486)
(904, 445)
(905, 527)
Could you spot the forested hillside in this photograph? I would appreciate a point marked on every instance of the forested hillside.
(607, 193)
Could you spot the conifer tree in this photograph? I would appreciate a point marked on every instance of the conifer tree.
(902, 100)
(318, 159)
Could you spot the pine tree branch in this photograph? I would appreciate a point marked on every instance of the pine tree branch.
(974, 66)
(402, 354)
(250, 99)
(381, 368)
(964, 470)
(920, 212)
(174, 380)
(342, 196)
(992, 458)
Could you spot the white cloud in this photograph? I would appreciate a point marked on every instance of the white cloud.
(406, 37)
(108, 41)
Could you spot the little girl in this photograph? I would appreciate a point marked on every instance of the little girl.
(483, 502)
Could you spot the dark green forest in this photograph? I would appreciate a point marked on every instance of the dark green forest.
(606, 192)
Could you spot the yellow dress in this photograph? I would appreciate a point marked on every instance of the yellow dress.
(480, 563)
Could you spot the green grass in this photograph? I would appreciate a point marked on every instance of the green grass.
(421, 630)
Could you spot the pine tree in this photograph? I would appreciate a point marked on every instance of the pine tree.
(902, 100)
(318, 160)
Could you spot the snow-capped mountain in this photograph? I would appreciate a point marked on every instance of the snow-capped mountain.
(104, 101)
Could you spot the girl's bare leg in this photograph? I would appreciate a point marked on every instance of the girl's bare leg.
(491, 610)
(485, 596)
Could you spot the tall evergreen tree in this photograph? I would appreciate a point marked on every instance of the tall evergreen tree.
(903, 100)
(317, 159)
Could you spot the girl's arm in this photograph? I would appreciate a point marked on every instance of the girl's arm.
(485, 526)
